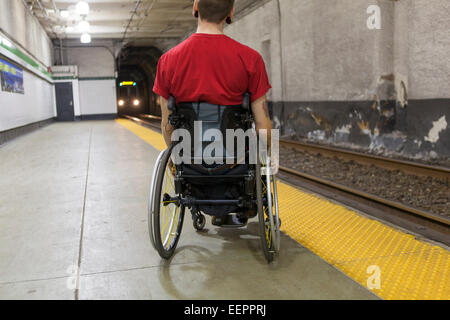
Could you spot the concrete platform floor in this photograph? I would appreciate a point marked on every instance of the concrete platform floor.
(75, 195)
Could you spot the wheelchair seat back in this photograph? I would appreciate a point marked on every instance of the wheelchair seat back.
(218, 117)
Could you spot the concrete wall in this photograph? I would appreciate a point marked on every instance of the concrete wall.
(22, 30)
(37, 104)
(98, 97)
(336, 81)
(21, 26)
(97, 84)
(429, 48)
(260, 30)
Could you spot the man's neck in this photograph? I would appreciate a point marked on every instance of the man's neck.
(209, 28)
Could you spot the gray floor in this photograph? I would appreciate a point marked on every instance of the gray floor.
(52, 178)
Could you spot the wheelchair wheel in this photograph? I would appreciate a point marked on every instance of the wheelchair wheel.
(167, 214)
(267, 201)
(151, 200)
(199, 222)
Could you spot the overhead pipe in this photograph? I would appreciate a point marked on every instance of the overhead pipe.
(54, 6)
(45, 15)
(25, 3)
(61, 59)
(147, 11)
(282, 69)
(42, 9)
(131, 19)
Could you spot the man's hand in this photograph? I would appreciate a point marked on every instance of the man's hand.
(166, 127)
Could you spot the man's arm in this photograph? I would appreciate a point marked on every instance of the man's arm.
(166, 127)
(261, 114)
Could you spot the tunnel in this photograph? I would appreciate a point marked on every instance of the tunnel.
(136, 77)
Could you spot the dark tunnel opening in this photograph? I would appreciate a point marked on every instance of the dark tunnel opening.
(137, 72)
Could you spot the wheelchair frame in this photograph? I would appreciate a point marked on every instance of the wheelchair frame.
(264, 184)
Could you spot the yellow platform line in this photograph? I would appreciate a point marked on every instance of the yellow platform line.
(151, 137)
(357, 245)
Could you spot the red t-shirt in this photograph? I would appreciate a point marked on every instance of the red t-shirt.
(211, 68)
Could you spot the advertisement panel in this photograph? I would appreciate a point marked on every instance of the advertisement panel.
(11, 77)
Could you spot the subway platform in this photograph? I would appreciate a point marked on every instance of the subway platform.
(73, 211)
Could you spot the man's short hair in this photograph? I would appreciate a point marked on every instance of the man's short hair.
(215, 11)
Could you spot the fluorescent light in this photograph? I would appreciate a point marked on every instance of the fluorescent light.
(85, 38)
(82, 8)
(70, 29)
(64, 13)
(83, 26)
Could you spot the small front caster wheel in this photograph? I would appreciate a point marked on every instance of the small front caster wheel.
(199, 222)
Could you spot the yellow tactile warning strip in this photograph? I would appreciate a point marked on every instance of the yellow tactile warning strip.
(364, 248)
(151, 137)
(389, 262)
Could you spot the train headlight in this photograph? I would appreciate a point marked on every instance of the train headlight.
(136, 102)
(121, 102)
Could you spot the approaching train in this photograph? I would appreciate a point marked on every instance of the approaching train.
(128, 95)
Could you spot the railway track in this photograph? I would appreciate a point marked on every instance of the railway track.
(368, 159)
(391, 164)
(146, 120)
(431, 225)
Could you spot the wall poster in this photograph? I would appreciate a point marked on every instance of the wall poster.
(11, 77)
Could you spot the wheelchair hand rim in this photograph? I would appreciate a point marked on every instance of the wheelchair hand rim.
(151, 198)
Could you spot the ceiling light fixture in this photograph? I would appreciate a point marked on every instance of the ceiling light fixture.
(82, 8)
(83, 26)
(85, 38)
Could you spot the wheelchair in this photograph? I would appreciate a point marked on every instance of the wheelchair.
(217, 190)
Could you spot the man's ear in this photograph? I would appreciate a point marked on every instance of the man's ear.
(229, 19)
(195, 9)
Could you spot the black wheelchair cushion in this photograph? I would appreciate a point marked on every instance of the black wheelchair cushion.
(216, 188)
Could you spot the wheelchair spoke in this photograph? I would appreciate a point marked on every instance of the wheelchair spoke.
(166, 217)
(268, 231)
(169, 234)
(270, 212)
(169, 217)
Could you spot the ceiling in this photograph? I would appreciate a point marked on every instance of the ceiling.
(122, 19)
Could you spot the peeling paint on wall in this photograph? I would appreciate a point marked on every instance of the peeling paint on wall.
(438, 127)
(344, 129)
(384, 127)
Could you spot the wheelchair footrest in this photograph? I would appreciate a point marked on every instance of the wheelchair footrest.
(229, 221)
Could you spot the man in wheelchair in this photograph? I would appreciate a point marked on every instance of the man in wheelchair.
(208, 77)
